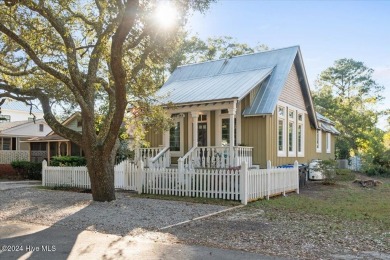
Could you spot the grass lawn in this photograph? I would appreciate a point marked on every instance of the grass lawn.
(345, 200)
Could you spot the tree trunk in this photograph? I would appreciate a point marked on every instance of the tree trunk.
(101, 172)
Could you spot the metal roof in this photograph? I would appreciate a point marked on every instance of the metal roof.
(232, 78)
(198, 85)
(20, 106)
(326, 124)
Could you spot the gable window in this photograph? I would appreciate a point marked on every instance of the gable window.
(301, 136)
(318, 141)
(281, 140)
(328, 143)
(41, 127)
(79, 123)
(291, 134)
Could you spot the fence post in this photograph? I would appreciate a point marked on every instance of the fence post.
(244, 183)
(268, 179)
(297, 171)
(140, 176)
(180, 170)
(44, 166)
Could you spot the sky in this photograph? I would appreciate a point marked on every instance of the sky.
(325, 30)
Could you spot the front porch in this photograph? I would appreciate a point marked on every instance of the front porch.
(203, 136)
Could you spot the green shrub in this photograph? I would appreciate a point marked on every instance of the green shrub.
(28, 170)
(68, 161)
(328, 169)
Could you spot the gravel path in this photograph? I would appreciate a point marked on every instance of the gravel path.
(125, 216)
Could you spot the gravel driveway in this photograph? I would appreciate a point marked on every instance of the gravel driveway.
(124, 216)
(294, 236)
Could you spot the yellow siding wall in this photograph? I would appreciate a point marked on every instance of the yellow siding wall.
(310, 152)
(155, 138)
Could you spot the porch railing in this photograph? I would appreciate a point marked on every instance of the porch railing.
(161, 160)
(143, 154)
(217, 157)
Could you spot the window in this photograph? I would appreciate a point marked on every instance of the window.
(226, 131)
(41, 126)
(291, 134)
(174, 137)
(79, 123)
(301, 136)
(6, 143)
(328, 140)
(281, 131)
(318, 141)
(5, 118)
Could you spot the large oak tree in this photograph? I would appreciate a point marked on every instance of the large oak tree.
(90, 53)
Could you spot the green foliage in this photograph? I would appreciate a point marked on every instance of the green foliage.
(328, 169)
(28, 170)
(377, 165)
(347, 94)
(68, 161)
(193, 49)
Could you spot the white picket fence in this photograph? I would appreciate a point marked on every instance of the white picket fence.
(244, 185)
(8, 156)
(52, 176)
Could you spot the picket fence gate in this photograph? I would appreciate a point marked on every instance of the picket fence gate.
(232, 184)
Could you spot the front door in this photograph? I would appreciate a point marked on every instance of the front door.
(202, 134)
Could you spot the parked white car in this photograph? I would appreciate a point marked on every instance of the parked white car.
(314, 173)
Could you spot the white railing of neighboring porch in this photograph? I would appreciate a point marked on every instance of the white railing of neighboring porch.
(242, 184)
(8, 156)
(217, 157)
(145, 154)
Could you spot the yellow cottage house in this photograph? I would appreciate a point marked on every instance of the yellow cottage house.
(252, 108)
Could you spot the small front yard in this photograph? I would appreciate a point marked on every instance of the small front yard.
(344, 221)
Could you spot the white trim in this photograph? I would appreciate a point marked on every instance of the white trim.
(238, 124)
(283, 152)
(292, 120)
(328, 143)
(302, 124)
(318, 141)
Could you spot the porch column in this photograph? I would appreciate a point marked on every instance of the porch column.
(194, 128)
(166, 137)
(232, 113)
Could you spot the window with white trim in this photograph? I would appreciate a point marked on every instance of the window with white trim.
(318, 141)
(301, 135)
(176, 135)
(328, 141)
(291, 134)
(281, 131)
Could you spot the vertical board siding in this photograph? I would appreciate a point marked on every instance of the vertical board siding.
(292, 92)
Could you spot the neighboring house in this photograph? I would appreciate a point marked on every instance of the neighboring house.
(13, 135)
(45, 147)
(253, 108)
(18, 111)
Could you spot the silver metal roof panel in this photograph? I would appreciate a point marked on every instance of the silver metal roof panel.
(196, 86)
